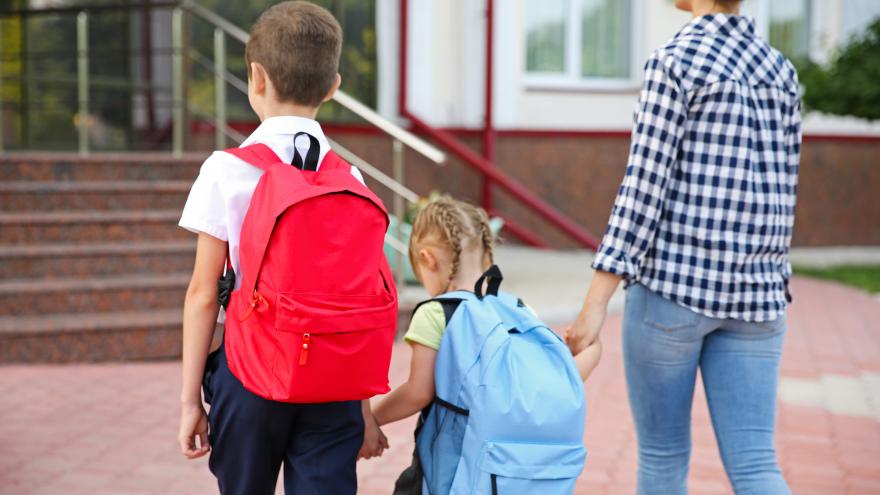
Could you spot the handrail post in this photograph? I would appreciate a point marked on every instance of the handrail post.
(177, 81)
(398, 208)
(219, 89)
(83, 120)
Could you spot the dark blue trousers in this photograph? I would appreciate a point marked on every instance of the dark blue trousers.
(252, 438)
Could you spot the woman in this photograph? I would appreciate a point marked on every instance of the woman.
(700, 233)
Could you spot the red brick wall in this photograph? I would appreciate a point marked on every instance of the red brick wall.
(838, 203)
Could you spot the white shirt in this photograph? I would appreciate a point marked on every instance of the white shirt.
(221, 194)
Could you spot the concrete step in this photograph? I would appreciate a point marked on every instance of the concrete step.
(92, 195)
(113, 336)
(21, 297)
(95, 259)
(85, 226)
(98, 167)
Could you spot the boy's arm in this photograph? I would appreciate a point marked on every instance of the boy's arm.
(375, 442)
(200, 310)
(415, 394)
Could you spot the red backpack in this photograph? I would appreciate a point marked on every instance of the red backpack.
(315, 317)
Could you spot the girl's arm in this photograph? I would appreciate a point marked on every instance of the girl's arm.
(200, 310)
(588, 359)
(415, 394)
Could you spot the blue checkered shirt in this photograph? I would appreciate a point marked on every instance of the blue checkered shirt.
(705, 211)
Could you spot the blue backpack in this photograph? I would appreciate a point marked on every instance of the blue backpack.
(509, 411)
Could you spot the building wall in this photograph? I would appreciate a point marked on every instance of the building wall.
(570, 144)
(838, 200)
(446, 65)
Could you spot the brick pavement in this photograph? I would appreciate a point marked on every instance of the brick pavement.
(110, 429)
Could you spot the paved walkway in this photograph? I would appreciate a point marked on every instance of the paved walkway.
(110, 429)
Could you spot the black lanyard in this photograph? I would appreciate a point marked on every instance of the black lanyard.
(311, 160)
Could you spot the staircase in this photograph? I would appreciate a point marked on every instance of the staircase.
(92, 264)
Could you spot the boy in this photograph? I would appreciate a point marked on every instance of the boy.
(293, 60)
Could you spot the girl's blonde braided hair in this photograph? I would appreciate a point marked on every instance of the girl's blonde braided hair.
(456, 225)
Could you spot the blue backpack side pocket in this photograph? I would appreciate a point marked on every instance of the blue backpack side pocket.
(440, 442)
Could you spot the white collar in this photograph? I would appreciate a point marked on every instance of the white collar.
(287, 125)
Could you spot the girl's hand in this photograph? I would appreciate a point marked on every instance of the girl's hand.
(375, 442)
(193, 424)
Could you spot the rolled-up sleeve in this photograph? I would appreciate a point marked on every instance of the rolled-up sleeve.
(657, 132)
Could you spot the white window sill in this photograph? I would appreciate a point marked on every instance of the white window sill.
(566, 85)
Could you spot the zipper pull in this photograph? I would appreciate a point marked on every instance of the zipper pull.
(304, 354)
(258, 303)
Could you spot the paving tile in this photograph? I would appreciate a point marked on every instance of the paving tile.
(110, 429)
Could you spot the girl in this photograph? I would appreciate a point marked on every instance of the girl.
(450, 248)
(700, 232)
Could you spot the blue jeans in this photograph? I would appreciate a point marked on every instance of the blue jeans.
(663, 345)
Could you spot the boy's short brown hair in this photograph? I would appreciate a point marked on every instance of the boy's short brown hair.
(298, 43)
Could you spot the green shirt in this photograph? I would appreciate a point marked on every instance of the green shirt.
(427, 325)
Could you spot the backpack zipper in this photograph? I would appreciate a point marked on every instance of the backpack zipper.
(304, 354)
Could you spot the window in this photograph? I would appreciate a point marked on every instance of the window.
(579, 42)
(785, 24)
(790, 27)
(546, 39)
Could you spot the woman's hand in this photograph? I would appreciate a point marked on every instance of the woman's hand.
(585, 329)
(193, 424)
(375, 442)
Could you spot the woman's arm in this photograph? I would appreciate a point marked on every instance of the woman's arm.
(200, 310)
(415, 394)
(586, 327)
(657, 131)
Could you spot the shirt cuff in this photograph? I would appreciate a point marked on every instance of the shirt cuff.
(617, 264)
(204, 228)
(416, 339)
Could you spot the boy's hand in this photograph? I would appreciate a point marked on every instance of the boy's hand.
(193, 423)
(375, 442)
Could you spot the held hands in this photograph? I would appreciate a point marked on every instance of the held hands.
(375, 442)
(193, 424)
(585, 330)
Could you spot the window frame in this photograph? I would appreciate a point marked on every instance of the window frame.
(571, 79)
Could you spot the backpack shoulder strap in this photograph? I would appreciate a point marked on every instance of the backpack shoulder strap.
(332, 161)
(449, 306)
(257, 154)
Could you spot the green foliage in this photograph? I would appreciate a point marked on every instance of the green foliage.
(863, 277)
(850, 84)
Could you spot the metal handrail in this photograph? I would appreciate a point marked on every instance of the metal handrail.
(411, 140)
(223, 131)
(379, 176)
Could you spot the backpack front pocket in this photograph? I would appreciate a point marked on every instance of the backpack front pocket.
(333, 347)
(516, 468)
